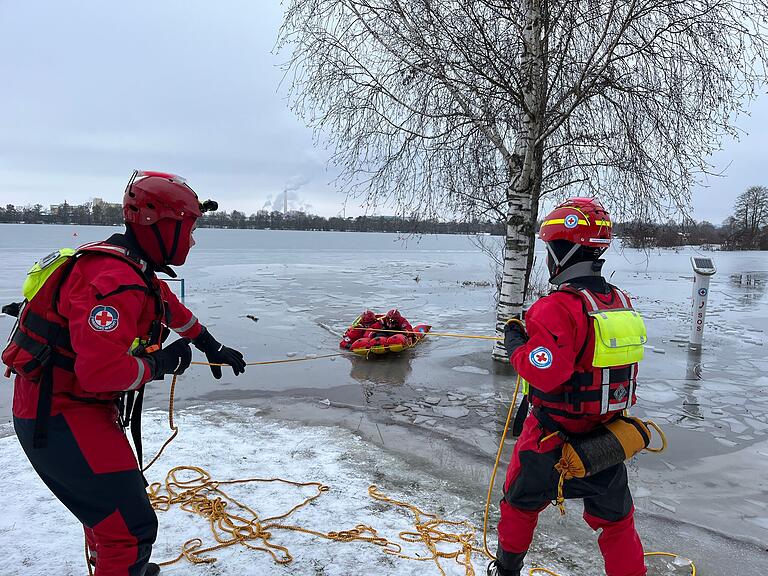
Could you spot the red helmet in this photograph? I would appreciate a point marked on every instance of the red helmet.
(161, 210)
(393, 317)
(367, 318)
(151, 196)
(581, 221)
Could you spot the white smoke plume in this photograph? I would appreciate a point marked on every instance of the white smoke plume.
(289, 194)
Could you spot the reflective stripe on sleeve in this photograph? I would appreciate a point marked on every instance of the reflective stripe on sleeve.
(186, 326)
(140, 376)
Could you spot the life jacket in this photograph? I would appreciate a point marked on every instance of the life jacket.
(39, 347)
(605, 380)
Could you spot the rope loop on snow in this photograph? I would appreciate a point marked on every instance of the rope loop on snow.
(232, 522)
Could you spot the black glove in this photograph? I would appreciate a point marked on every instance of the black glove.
(173, 359)
(217, 353)
(12, 309)
(514, 336)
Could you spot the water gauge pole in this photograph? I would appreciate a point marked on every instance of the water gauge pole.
(703, 268)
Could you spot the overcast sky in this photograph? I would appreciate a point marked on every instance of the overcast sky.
(91, 89)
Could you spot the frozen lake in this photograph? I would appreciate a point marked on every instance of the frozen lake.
(303, 286)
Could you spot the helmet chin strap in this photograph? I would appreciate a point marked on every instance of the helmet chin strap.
(578, 270)
(174, 247)
(160, 243)
(558, 262)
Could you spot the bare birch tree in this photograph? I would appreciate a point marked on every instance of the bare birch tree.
(489, 106)
(751, 216)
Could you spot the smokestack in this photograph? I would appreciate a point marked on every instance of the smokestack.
(285, 202)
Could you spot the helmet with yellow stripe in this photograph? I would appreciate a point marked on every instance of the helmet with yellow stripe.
(578, 227)
(581, 221)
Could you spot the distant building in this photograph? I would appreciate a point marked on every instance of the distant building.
(101, 204)
(59, 209)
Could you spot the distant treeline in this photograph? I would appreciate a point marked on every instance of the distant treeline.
(639, 234)
(112, 214)
(746, 229)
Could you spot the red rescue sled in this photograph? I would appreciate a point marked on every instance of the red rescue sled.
(391, 344)
(381, 334)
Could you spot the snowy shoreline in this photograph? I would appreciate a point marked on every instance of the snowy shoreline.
(232, 441)
(262, 448)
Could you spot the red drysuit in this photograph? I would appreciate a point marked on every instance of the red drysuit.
(560, 344)
(87, 462)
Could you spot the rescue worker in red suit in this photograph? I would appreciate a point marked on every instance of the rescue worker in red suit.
(358, 329)
(382, 333)
(568, 395)
(110, 296)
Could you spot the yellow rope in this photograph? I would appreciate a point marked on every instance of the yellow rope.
(171, 425)
(202, 495)
(652, 424)
(670, 554)
(498, 458)
(282, 361)
(548, 436)
(233, 522)
(560, 498)
(495, 468)
(430, 333)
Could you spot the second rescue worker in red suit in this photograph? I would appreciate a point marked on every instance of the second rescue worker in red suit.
(569, 395)
(92, 310)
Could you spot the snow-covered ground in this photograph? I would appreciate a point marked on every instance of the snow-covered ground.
(438, 411)
(230, 442)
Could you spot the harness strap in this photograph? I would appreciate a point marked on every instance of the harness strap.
(87, 400)
(617, 375)
(136, 427)
(568, 396)
(547, 423)
(581, 380)
(558, 412)
(45, 398)
(44, 401)
(42, 327)
(42, 354)
(520, 416)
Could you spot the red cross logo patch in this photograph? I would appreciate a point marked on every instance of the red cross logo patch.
(540, 357)
(104, 318)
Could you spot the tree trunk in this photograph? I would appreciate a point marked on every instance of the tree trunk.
(526, 184)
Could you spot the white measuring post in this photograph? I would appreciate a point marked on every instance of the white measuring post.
(703, 269)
